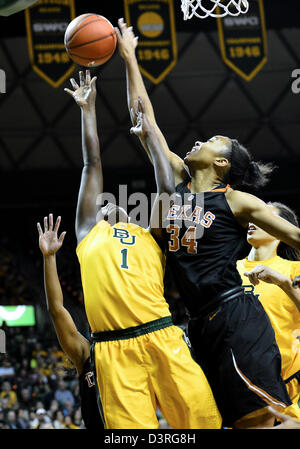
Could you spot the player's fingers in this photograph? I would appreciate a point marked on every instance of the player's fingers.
(40, 231)
(141, 105)
(57, 223)
(132, 116)
(45, 224)
(261, 274)
(61, 237)
(69, 91)
(88, 77)
(251, 277)
(74, 84)
(93, 82)
(81, 79)
(118, 34)
(50, 222)
(122, 24)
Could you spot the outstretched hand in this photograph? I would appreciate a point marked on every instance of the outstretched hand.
(266, 274)
(85, 93)
(127, 41)
(139, 119)
(48, 240)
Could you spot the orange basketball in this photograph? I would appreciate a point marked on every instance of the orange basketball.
(90, 40)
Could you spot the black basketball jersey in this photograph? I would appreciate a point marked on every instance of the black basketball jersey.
(204, 242)
(89, 407)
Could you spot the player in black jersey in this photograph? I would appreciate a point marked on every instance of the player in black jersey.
(75, 345)
(231, 335)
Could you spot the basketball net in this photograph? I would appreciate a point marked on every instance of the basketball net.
(191, 8)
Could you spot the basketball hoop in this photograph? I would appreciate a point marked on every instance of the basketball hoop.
(191, 8)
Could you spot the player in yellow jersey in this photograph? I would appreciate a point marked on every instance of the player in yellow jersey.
(276, 264)
(142, 361)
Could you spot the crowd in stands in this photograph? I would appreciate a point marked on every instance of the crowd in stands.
(39, 389)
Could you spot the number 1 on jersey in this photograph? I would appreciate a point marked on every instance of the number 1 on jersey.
(124, 253)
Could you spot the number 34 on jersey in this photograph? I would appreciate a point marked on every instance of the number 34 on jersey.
(189, 239)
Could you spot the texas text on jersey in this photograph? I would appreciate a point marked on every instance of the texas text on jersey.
(204, 242)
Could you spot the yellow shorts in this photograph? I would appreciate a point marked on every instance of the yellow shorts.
(293, 388)
(136, 374)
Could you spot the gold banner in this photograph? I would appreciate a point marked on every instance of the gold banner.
(154, 23)
(243, 40)
(46, 23)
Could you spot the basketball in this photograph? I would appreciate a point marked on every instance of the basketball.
(90, 40)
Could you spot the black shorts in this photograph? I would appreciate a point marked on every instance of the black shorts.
(236, 348)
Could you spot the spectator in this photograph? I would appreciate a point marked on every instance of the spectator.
(42, 417)
(69, 424)
(62, 394)
(77, 418)
(26, 400)
(54, 406)
(33, 420)
(42, 390)
(11, 420)
(58, 421)
(22, 419)
(8, 392)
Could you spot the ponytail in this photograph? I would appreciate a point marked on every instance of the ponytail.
(243, 170)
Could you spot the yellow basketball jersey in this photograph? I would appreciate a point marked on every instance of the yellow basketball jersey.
(281, 310)
(122, 270)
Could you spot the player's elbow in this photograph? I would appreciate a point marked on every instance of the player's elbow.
(168, 184)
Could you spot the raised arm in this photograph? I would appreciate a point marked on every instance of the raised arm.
(72, 342)
(91, 184)
(127, 44)
(250, 209)
(164, 176)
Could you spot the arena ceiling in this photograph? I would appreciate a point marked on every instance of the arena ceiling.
(201, 97)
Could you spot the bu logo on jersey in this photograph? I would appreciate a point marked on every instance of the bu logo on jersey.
(124, 235)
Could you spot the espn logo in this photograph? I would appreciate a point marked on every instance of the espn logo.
(2, 342)
(2, 82)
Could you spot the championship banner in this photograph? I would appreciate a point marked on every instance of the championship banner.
(46, 23)
(154, 23)
(243, 40)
